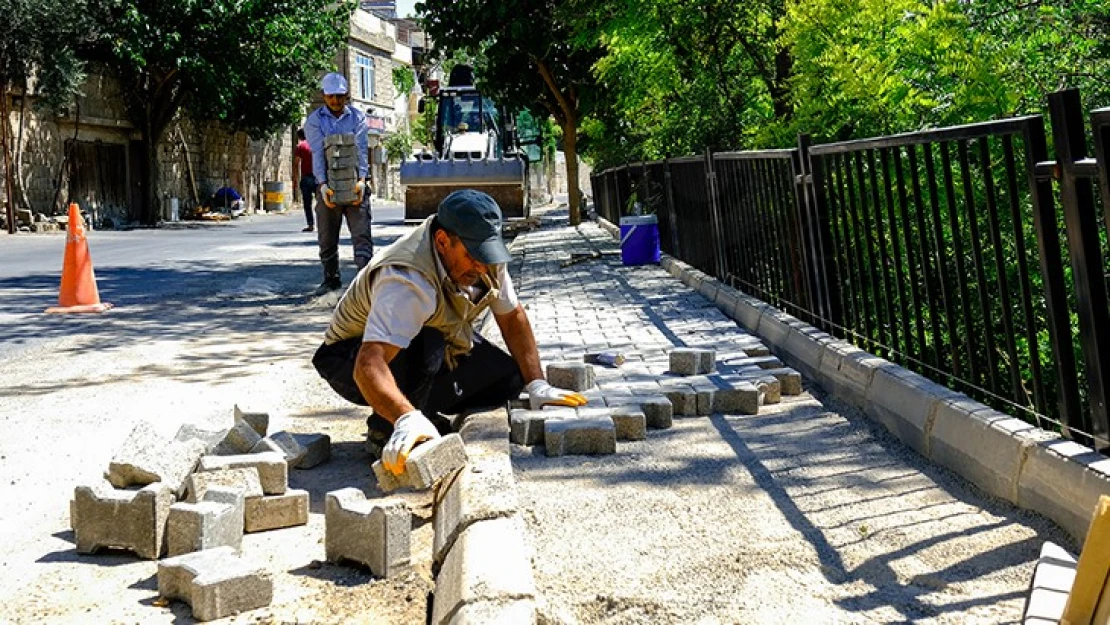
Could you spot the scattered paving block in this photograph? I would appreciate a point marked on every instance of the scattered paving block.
(269, 444)
(302, 451)
(273, 472)
(146, 458)
(244, 479)
(240, 439)
(692, 360)
(275, 511)
(526, 426)
(630, 423)
(375, 533)
(232, 496)
(432, 461)
(259, 421)
(573, 376)
(580, 436)
(790, 381)
(215, 583)
(204, 525)
(741, 397)
(211, 438)
(127, 519)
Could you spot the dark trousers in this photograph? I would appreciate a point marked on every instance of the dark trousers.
(330, 222)
(487, 376)
(308, 193)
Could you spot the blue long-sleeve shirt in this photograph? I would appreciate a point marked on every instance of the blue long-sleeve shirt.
(321, 123)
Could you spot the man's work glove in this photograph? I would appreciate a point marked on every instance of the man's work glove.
(541, 394)
(326, 193)
(408, 430)
(360, 187)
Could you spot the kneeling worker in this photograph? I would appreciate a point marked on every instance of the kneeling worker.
(402, 338)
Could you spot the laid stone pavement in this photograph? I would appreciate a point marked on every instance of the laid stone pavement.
(806, 511)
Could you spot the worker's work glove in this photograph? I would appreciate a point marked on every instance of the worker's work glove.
(326, 193)
(360, 187)
(408, 430)
(541, 394)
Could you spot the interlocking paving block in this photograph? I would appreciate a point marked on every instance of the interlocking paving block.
(276, 511)
(215, 583)
(232, 496)
(790, 381)
(273, 471)
(204, 525)
(343, 162)
(488, 563)
(302, 451)
(375, 533)
(430, 462)
(240, 439)
(128, 519)
(146, 457)
(244, 479)
(259, 421)
(387, 481)
(580, 436)
(1053, 578)
(573, 376)
(692, 360)
(495, 613)
(485, 489)
(630, 422)
(339, 139)
(267, 444)
(526, 426)
(343, 196)
(742, 397)
(211, 438)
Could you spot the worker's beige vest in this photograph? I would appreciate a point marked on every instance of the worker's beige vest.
(455, 313)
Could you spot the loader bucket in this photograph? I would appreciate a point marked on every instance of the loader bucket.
(427, 182)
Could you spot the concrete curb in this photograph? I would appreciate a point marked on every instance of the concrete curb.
(1030, 467)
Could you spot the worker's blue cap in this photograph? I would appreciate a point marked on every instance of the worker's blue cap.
(476, 218)
(334, 83)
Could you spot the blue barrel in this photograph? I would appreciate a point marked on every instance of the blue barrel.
(639, 240)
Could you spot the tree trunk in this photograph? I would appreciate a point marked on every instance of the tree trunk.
(149, 213)
(6, 146)
(570, 150)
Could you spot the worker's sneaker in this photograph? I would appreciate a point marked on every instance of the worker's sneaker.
(327, 286)
(307, 229)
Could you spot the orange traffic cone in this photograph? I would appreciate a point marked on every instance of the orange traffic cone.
(78, 293)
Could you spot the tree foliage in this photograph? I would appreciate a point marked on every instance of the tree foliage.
(250, 64)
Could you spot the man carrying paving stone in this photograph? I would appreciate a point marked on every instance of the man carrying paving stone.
(402, 338)
(336, 134)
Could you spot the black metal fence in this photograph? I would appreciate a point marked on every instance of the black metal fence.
(963, 253)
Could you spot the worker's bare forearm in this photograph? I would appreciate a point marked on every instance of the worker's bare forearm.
(376, 381)
(517, 331)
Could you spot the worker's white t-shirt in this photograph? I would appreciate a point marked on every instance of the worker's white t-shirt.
(403, 300)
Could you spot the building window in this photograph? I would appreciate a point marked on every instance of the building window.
(365, 66)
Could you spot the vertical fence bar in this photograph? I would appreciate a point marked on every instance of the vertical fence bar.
(884, 310)
(923, 253)
(837, 214)
(918, 349)
(986, 316)
(895, 243)
(1077, 197)
(713, 207)
(961, 273)
(863, 322)
(939, 253)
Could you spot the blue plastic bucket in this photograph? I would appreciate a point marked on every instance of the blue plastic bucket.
(639, 240)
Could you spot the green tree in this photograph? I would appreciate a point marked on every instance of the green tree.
(38, 40)
(527, 58)
(250, 64)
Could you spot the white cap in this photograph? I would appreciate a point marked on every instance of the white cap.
(334, 83)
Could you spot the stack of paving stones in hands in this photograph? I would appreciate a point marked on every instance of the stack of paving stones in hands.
(580, 310)
(191, 498)
(341, 156)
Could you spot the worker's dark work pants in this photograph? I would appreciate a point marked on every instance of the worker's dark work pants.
(308, 194)
(487, 376)
(329, 221)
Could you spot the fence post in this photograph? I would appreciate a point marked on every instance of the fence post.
(1077, 197)
(824, 287)
(714, 215)
(668, 193)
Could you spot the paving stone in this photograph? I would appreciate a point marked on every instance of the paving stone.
(508, 612)
(215, 583)
(233, 496)
(240, 439)
(146, 457)
(790, 381)
(211, 438)
(630, 423)
(302, 451)
(276, 511)
(770, 390)
(526, 426)
(485, 489)
(692, 360)
(573, 376)
(580, 436)
(204, 525)
(244, 479)
(259, 421)
(742, 397)
(430, 462)
(375, 533)
(273, 471)
(105, 517)
(387, 481)
(683, 398)
(339, 139)
(268, 444)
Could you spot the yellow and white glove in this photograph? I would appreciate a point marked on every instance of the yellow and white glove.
(360, 187)
(541, 394)
(326, 193)
(408, 430)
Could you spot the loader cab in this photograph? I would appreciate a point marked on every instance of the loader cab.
(468, 125)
